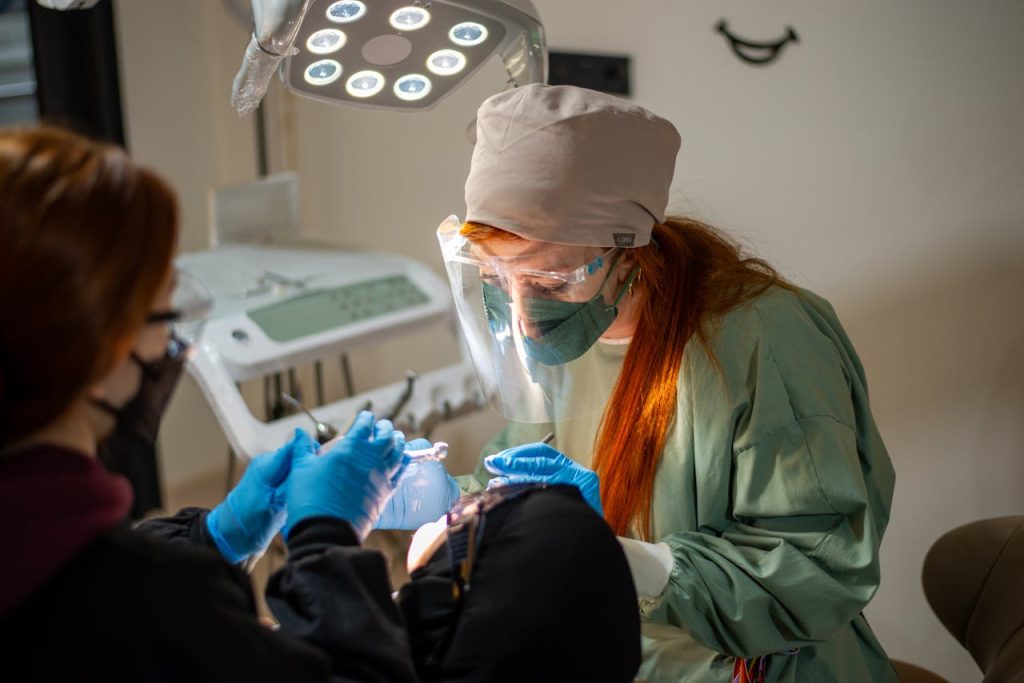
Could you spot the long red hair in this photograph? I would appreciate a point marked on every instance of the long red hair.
(690, 275)
(86, 240)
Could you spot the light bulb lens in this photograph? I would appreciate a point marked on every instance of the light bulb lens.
(412, 87)
(364, 84)
(323, 72)
(346, 11)
(325, 41)
(409, 18)
(468, 34)
(446, 62)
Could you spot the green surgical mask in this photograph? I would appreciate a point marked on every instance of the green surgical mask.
(567, 328)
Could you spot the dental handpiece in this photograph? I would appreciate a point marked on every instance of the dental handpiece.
(437, 452)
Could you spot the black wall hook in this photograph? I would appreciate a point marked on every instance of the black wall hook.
(757, 53)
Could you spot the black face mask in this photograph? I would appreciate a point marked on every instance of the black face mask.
(142, 413)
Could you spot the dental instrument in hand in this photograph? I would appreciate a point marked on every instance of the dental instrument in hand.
(437, 452)
(548, 438)
(324, 431)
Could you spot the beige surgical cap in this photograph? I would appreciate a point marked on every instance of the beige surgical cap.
(568, 165)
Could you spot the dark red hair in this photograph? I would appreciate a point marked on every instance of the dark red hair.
(692, 275)
(86, 240)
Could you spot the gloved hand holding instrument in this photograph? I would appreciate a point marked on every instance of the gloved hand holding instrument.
(426, 491)
(351, 479)
(254, 511)
(540, 463)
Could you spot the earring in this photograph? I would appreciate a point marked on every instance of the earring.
(639, 274)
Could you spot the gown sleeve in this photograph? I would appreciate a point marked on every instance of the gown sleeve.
(793, 488)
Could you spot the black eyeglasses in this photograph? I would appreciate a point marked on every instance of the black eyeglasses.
(190, 305)
(171, 316)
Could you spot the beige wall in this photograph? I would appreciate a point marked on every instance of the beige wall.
(880, 162)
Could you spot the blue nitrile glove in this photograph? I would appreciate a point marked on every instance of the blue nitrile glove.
(352, 480)
(246, 521)
(425, 492)
(539, 462)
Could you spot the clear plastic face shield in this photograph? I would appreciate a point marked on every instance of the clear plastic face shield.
(529, 312)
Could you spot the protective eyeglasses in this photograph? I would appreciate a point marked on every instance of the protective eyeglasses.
(191, 303)
(563, 267)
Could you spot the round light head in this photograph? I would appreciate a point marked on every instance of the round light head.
(409, 18)
(412, 87)
(346, 11)
(364, 84)
(446, 62)
(468, 34)
(325, 41)
(323, 72)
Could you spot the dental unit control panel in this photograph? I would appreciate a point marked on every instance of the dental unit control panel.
(278, 307)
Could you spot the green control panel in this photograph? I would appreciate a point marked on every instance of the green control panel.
(328, 309)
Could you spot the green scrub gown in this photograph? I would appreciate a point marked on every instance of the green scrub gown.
(773, 492)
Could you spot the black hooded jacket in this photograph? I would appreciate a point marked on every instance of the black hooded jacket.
(83, 597)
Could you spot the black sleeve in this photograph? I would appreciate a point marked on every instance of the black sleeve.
(209, 621)
(332, 599)
(127, 453)
(187, 526)
(336, 595)
(332, 594)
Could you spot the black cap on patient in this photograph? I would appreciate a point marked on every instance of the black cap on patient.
(551, 598)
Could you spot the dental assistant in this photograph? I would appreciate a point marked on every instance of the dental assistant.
(88, 289)
(715, 414)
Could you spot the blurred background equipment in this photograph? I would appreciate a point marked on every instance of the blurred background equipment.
(281, 304)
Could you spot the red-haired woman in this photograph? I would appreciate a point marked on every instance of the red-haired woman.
(86, 279)
(716, 415)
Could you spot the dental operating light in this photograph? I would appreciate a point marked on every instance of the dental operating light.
(399, 40)
(386, 54)
(399, 54)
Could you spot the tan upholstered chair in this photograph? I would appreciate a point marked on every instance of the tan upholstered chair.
(974, 581)
(908, 673)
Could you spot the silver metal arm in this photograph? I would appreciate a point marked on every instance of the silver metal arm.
(276, 23)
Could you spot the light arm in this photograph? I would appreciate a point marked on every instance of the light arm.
(276, 23)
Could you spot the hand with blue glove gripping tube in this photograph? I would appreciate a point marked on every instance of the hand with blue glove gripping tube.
(247, 520)
(425, 492)
(540, 463)
(352, 479)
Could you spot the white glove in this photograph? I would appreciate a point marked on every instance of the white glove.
(651, 566)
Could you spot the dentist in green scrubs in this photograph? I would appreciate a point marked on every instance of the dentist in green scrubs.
(716, 415)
